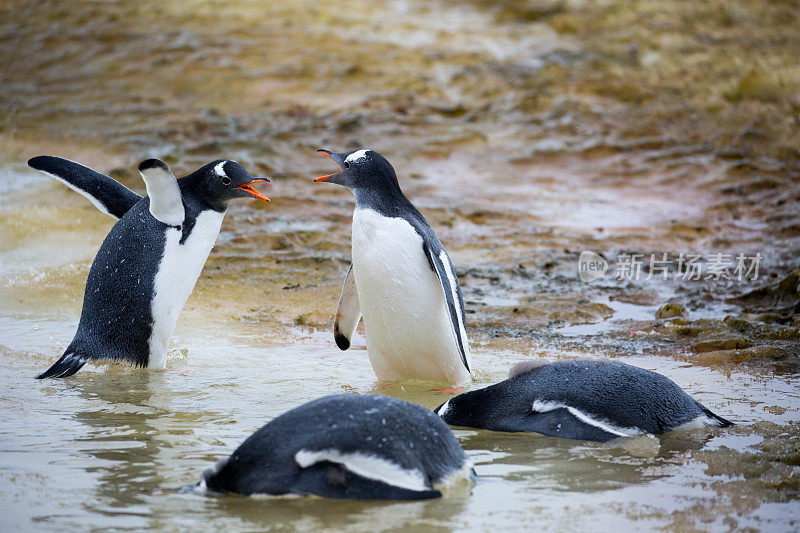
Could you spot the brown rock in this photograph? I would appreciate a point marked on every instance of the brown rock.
(722, 344)
(671, 310)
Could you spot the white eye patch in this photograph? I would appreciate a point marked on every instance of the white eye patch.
(356, 156)
(220, 169)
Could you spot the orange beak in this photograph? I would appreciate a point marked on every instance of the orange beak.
(247, 188)
(323, 178)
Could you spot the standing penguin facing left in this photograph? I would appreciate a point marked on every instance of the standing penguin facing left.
(401, 280)
(149, 263)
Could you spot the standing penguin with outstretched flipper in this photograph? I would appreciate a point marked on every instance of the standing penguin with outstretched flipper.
(401, 280)
(149, 263)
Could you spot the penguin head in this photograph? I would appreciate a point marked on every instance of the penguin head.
(223, 180)
(361, 170)
(470, 408)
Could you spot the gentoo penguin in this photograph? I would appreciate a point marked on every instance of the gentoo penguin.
(149, 262)
(580, 399)
(401, 280)
(346, 446)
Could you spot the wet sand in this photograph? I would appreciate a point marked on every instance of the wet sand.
(525, 133)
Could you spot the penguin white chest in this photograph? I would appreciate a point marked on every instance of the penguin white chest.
(175, 278)
(407, 326)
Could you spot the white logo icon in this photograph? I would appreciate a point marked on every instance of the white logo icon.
(591, 266)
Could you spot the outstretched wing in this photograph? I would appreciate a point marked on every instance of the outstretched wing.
(166, 202)
(107, 194)
(440, 263)
(348, 313)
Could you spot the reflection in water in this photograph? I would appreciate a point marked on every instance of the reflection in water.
(128, 437)
(318, 514)
(566, 465)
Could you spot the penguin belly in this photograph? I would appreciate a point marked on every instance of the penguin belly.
(175, 278)
(408, 329)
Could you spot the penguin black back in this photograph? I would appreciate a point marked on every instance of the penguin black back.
(579, 399)
(346, 446)
(116, 316)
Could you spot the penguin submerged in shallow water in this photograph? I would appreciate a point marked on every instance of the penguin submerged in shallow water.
(401, 280)
(346, 446)
(578, 399)
(149, 263)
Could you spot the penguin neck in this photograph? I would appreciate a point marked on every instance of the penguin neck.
(197, 202)
(388, 201)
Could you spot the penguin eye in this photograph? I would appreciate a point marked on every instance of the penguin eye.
(346, 164)
(225, 180)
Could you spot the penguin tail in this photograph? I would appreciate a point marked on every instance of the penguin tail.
(716, 420)
(69, 363)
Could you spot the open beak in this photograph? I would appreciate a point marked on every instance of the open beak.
(247, 188)
(323, 178)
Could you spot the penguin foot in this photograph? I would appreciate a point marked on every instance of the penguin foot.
(450, 390)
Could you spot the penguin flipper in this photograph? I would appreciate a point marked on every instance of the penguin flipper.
(558, 422)
(107, 194)
(166, 202)
(334, 480)
(348, 312)
(441, 265)
(68, 364)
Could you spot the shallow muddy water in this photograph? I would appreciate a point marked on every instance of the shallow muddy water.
(104, 449)
(526, 133)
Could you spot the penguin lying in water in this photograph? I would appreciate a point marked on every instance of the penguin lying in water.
(401, 280)
(148, 264)
(579, 399)
(346, 446)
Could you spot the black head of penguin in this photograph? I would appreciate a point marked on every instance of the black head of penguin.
(365, 172)
(218, 182)
(471, 409)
